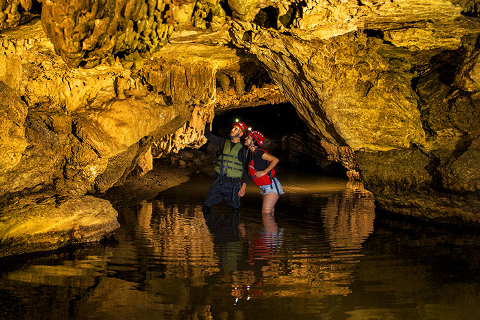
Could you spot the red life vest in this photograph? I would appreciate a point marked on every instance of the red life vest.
(263, 180)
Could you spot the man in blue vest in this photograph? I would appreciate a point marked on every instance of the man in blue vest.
(231, 179)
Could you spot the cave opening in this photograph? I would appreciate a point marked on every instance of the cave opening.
(287, 137)
(226, 8)
(267, 18)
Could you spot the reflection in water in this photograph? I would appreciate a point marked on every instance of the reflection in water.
(319, 257)
(263, 261)
(348, 217)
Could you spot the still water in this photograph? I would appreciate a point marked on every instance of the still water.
(324, 255)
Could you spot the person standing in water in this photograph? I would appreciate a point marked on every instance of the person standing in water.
(261, 169)
(231, 178)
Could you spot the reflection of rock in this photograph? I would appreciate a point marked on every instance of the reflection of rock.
(182, 238)
(348, 217)
(43, 222)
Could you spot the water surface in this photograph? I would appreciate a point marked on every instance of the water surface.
(324, 255)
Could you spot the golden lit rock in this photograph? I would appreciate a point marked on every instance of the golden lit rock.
(87, 33)
(43, 222)
(13, 142)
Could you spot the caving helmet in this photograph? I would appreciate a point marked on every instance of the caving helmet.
(258, 136)
(241, 125)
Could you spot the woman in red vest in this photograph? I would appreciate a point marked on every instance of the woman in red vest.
(261, 169)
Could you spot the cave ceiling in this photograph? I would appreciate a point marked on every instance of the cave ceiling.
(333, 60)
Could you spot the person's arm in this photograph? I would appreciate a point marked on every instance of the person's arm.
(273, 162)
(219, 141)
(242, 156)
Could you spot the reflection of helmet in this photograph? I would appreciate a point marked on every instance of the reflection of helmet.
(258, 136)
(241, 125)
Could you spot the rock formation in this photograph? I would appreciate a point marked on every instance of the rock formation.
(42, 222)
(94, 87)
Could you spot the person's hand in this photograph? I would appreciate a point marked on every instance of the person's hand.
(210, 114)
(242, 190)
(259, 174)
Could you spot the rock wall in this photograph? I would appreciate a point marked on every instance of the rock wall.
(89, 32)
(16, 12)
(74, 120)
(395, 81)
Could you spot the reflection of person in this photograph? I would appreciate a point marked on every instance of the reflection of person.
(231, 180)
(261, 168)
(262, 260)
(229, 242)
(266, 245)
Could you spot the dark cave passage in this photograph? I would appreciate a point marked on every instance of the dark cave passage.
(287, 137)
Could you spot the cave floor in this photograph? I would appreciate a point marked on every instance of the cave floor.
(139, 188)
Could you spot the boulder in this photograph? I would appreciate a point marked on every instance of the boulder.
(45, 222)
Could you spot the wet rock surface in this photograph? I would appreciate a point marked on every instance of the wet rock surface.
(46, 222)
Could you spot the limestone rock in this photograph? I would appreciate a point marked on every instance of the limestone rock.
(79, 120)
(16, 12)
(114, 126)
(244, 10)
(45, 222)
(209, 14)
(460, 172)
(469, 75)
(118, 167)
(145, 162)
(385, 78)
(13, 142)
(395, 170)
(87, 33)
(329, 158)
(182, 12)
(406, 182)
(41, 163)
(186, 71)
(344, 84)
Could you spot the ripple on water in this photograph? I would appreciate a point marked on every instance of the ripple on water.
(318, 257)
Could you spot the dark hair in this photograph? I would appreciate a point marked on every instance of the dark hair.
(255, 143)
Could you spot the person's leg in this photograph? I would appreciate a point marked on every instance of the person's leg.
(269, 200)
(231, 196)
(269, 223)
(214, 196)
